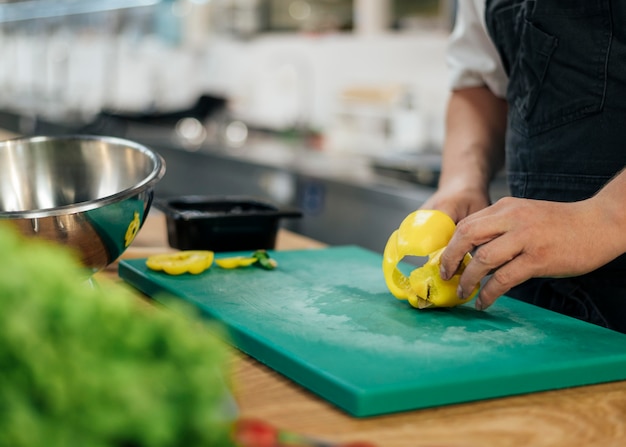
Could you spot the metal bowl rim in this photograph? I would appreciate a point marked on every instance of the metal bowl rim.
(155, 175)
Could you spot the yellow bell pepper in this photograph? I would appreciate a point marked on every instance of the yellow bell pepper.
(260, 257)
(187, 261)
(235, 262)
(432, 291)
(423, 233)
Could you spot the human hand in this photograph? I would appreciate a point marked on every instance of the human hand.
(518, 239)
(457, 201)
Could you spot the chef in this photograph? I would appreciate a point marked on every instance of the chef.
(539, 87)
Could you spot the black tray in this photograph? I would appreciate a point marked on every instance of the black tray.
(222, 223)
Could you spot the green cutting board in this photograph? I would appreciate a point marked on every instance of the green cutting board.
(325, 319)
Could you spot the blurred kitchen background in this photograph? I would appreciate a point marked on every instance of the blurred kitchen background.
(333, 106)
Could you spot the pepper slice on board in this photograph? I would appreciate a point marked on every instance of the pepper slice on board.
(235, 262)
(423, 233)
(260, 258)
(186, 261)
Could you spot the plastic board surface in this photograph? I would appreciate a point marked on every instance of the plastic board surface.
(325, 319)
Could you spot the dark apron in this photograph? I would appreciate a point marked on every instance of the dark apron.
(566, 138)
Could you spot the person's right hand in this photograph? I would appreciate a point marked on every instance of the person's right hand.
(458, 201)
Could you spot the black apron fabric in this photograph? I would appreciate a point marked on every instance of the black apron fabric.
(566, 136)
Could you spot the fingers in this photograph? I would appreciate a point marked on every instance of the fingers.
(487, 259)
(498, 252)
(502, 280)
(518, 239)
(470, 233)
(499, 258)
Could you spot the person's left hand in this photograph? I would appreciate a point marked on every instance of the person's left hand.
(518, 239)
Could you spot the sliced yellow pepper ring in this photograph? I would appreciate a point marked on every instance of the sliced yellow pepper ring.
(235, 262)
(260, 257)
(422, 233)
(187, 261)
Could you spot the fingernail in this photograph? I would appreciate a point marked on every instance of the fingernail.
(459, 292)
(479, 304)
(442, 272)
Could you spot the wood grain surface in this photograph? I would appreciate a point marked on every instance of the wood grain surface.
(582, 416)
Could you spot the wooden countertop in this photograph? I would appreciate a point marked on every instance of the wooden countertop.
(583, 416)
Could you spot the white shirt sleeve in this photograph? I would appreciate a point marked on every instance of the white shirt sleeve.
(471, 57)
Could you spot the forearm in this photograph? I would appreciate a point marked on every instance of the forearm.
(474, 146)
(610, 208)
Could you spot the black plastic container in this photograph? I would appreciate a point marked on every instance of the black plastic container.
(222, 223)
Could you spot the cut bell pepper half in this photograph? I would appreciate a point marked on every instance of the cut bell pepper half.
(422, 233)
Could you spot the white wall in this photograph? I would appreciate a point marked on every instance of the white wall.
(274, 81)
(276, 78)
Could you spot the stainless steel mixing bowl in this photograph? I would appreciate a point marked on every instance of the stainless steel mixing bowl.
(89, 193)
